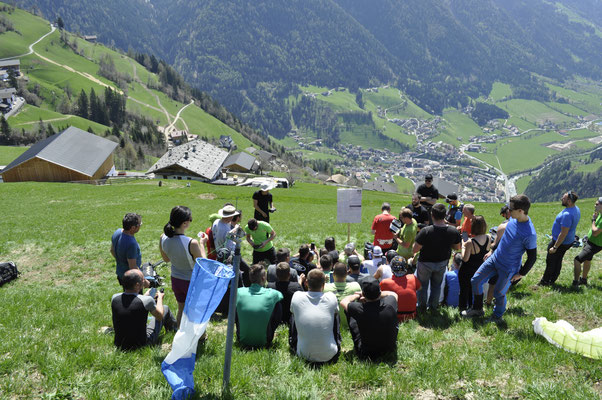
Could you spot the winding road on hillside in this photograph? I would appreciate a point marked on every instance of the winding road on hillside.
(171, 120)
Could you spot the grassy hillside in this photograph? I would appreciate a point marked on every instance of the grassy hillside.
(9, 153)
(81, 72)
(52, 344)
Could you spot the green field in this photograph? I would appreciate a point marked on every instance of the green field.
(582, 99)
(52, 346)
(30, 116)
(521, 124)
(522, 183)
(533, 111)
(9, 153)
(458, 125)
(28, 29)
(591, 167)
(500, 91)
(404, 185)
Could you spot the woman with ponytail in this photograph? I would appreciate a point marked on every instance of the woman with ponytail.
(181, 251)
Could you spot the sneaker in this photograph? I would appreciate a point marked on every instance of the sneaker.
(583, 281)
(544, 283)
(471, 313)
(575, 284)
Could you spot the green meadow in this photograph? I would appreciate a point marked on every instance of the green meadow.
(9, 153)
(533, 111)
(499, 91)
(52, 346)
(28, 29)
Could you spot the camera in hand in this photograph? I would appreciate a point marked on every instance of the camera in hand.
(273, 209)
(150, 274)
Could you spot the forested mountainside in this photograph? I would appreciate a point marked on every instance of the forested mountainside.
(251, 54)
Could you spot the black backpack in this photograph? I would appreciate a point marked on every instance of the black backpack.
(8, 272)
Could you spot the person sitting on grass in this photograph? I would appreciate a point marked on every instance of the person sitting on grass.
(326, 266)
(282, 255)
(451, 291)
(130, 313)
(370, 266)
(303, 262)
(287, 287)
(354, 264)
(258, 311)
(341, 286)
(330, 245)
(349, 251)
(384, 270)
(405, 285)
(314, 333)
(372, 316)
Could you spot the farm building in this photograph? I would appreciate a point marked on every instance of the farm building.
(7, 98)
(14, 65)
(241, 162)
(71, 155)
(196, 160)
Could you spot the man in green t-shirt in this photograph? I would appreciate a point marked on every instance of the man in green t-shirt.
(258, 311)
(407, 234)
(342, 287)
(591, 247)
(260, 235)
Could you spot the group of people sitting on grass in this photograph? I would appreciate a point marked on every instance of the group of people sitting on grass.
(318, 292)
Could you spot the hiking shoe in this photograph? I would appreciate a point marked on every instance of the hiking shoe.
(471, 313)
(544, 283)
(575, 284)
(583, 281)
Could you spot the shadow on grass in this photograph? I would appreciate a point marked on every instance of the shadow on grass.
(351, 357)
(570, 289)
(438, 319)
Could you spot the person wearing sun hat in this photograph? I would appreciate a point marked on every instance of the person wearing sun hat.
(262, 202)
(370, 266)
(405, 284)
(372, 316)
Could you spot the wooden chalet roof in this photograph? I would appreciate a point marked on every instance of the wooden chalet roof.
(72, 148)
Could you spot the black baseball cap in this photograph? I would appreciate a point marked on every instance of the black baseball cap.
(452, 196)
(353, 261)
(370, 287)
(390, 254)
(428, 177)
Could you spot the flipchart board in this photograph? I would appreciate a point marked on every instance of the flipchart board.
(349, 206)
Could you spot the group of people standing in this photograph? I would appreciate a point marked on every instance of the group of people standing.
(318, 292)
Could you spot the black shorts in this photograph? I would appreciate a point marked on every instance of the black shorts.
(589, 249)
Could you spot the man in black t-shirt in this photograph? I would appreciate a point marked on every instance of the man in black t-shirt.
(130, 312)
(287, 287)
(262, 202)
(419, 213)
(428, 193)
(303, 263)
(435, 243)
(372, 320)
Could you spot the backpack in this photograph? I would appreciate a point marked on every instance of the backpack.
(8, 272)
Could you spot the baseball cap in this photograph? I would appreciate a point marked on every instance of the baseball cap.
(428, 177)
(353, 261)
(377, 251)
(349, 248)
(389, 255)
(452, 196)
(399, 266)
(370, 287)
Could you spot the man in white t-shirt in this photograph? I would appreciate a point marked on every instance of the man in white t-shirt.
(314, 333)
(370, 266)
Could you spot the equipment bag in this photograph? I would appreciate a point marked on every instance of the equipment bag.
(8, 272)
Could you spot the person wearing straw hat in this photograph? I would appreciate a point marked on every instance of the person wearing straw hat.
(262, 202)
